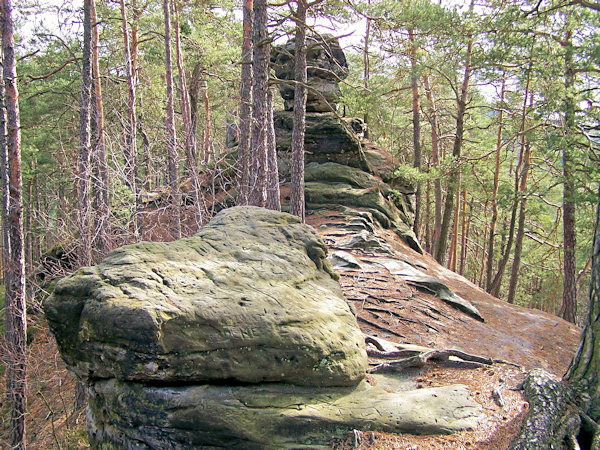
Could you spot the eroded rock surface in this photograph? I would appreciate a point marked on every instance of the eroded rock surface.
(250, 298)
(326, 67)
(269, 415)
(238, 337)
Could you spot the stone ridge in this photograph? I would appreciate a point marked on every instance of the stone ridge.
(250, 299)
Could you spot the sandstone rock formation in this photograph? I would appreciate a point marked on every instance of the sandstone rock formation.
(326, 67)
(250, 298)
(236, 337)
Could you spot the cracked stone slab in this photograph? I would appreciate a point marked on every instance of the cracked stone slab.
(344, 260)
(270, 415)
(431, 284)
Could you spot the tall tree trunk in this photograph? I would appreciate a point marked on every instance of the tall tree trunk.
(131, 164)
(435, 162)
(441, 245)
(516, 266)
(568, 309)
(454, 240)
(15, 310)
(297, 206)
(273, 194)
(260, 78)
(207, 141)
(100, 183)
(366, 68)
(190, 132)
(464, 234)
(497, 280)
(3, 172)
(494, 201)
(245, 105)
(416, 122)
(170, 129)
(83, 163)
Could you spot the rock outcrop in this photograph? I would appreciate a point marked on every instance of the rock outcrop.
(250, 298)
(236, 337)
(326, 67)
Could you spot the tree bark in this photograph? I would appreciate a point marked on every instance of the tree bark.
(170, 129)
(131, 163)
(245, 105)
(83, 163)
(100, 182)
(190, 132)
(416, 122)
(435, 161)
(260, 77)
(273, 194)
(516, 265)
(442, 244)
(3, 172)
(366, 69)
(568, 309)
(15, 309)
(494, 201)
(297, 203)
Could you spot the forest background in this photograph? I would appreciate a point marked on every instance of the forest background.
(490, 109)
(494, 104)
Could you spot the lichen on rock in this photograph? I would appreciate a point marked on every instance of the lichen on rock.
(250, 298)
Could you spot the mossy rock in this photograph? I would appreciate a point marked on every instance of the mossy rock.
(268, 415)
(250, 298)
(326, 139)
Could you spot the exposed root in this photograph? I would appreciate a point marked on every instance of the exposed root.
(404, 356)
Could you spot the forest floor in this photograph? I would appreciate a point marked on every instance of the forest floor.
(388, 308)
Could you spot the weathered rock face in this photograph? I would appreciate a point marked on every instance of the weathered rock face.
(250, 298)
(238, 337)
(326, 67)
(269, 415)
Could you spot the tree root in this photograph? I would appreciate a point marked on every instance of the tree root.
(403, 357)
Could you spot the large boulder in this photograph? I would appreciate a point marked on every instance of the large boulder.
(250, 298)
(238, 337)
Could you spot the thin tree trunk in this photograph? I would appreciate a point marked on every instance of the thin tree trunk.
(435, 162)
(131, 164)
(170, 129)
(4, 172)
(260, 77)
(440, 251)
(207, 141)
(367, 69)
(273, 194)
(516, 266)
(15, 310)
(100, 183)
(464, 234)
(454, 240)
(190, 134)
(416, 122)
(245, 105)
(568, 309)
(83, 164)
(428, 214)
(494, 201)
(497, 281)
(194, 94)
(297, 204)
